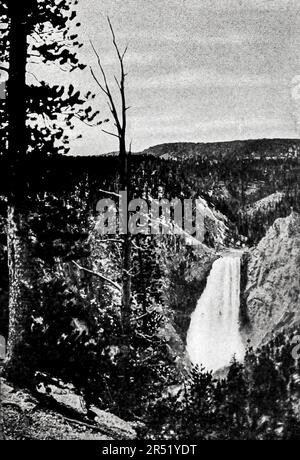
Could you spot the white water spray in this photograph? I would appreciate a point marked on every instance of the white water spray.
(214, 337)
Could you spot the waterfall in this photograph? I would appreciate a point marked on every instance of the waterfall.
(214, 337)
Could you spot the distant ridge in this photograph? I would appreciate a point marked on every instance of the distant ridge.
(218, 150)
(262, 148)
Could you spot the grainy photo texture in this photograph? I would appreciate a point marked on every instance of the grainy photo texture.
(149, 222)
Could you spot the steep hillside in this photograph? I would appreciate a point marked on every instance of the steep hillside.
(265, 205)
(272, 292)
(251, 182)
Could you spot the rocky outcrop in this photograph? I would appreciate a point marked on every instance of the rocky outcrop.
(187, 277)
(26, 417)
(272, 294)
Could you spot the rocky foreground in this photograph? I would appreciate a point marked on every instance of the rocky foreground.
(24, 417)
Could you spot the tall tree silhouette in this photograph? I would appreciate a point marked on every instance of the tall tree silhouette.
(19, 272)
(120, 124)
(39, 117)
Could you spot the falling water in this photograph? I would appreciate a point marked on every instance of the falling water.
(214, 337)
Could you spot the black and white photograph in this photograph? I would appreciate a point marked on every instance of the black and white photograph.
(149, 223)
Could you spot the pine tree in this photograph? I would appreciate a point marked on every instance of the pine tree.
(26, 106)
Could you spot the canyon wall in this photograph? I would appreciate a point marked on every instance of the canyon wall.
(271, 298)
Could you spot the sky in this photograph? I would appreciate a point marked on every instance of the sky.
(198, 70)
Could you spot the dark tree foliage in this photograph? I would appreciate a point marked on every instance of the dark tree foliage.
(51, 109)
(39, 123)
(100, 362)
(256, 401)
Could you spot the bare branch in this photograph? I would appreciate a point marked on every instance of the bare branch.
(137, 247)
(125, 51)
(110, 193)
(148, 338)
(98, 82)
(34, 76)
(103, 428)
(111, 134)
(128, 272)
(117, 82)
(106, 88)
(114, 37)
(121, 85)
(103, 278)
(138, 318)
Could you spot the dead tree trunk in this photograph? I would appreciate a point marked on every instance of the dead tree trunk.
(127, 245)
(120, 121)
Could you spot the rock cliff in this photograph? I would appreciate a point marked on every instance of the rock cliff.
(272, 293)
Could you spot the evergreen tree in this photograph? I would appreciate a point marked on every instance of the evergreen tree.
(58, 107)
